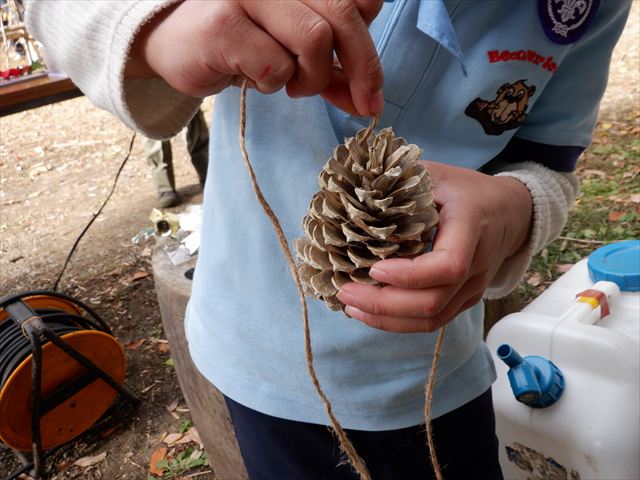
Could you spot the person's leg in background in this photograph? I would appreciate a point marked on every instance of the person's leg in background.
(160, 160)
(198, 145)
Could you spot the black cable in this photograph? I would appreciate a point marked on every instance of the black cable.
(93, 319)
(113, 187)
(15, 347)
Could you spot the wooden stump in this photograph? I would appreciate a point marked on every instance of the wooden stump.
(206, 403)
(495, 310)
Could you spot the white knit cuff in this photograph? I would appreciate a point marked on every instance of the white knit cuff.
(553, 194)
(148, 105)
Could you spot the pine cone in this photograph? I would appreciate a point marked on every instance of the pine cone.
(374, 202)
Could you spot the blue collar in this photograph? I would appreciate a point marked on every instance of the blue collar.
(433, 21)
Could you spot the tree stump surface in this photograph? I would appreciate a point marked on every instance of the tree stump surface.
(206, 404)
(496, 310)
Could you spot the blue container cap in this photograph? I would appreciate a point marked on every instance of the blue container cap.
(618, 263)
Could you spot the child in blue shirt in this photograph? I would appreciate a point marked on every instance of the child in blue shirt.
(501, 95)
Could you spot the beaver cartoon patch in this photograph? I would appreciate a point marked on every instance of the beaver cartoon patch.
(506, 112)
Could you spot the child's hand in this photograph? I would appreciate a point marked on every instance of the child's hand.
(201, 47)
(483, 220)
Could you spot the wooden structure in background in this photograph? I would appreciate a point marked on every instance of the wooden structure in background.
(35, 92)
(25, 83)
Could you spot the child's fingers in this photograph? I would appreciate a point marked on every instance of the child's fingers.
(338, 92)
(449, 263)
(356, 52)
(395, 311)
(396, 302)
(243, 48)
(305, 34)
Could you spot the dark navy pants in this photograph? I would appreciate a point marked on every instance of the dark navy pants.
(278, 449)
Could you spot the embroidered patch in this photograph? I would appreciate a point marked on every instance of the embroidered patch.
(565, 21)
(530, 56)
(506, 112)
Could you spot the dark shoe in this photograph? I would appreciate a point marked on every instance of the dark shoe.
(168, 199)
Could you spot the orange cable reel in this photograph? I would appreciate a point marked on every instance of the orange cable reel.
(72, 412)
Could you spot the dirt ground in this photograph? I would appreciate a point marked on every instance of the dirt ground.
(57, 164)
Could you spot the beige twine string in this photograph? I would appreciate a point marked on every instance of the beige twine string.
(345, 444)
(428, 396)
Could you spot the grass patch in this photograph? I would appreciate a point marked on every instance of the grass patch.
(607, 209)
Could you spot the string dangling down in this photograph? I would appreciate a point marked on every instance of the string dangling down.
(345, 444)
(428, 396)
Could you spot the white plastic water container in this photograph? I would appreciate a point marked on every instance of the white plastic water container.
(593, 430)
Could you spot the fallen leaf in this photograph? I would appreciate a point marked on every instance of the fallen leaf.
(135, 344)
(163, 347)
(195, 455)
(171, 409)
(172, 406)
(635, 198)
(595, 173)
(139, 275)
(158, 455)
(89, 461)
(63, 465)
(564, 267)
(535, 279)
(615, 216)
(186, 438)
(146, 389)
(195, 436)
(173, 438)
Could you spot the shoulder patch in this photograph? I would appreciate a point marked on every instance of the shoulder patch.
(565, 21)
(506, 111)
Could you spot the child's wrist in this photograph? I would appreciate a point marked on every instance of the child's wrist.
(519, 208)
(137, 65)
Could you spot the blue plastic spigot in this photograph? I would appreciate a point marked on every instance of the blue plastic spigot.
(535, 381)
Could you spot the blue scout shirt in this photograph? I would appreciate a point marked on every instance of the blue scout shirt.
(524, 96)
